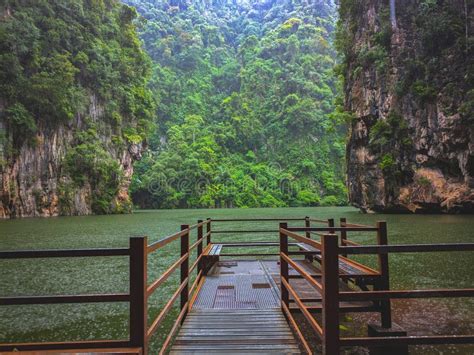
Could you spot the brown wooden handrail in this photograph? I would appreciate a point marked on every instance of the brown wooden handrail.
(63, 253)
(166, 240)
(97, 344)
(61, 299)
(173, 330)
(302, 239)
(332, 229)
(296, 328)
(325, 221)
(406, 248)
(194, 245)
(255, 219)
(355, 225)
(245, 231)
(407, 340)
(403, 294)
(158, 282)
(196, 263)
(303, 273)
(314, 324)
(159, 319)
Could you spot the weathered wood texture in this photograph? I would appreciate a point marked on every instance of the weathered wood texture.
(235, 331)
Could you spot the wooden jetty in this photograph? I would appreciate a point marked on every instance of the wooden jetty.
(237, 297)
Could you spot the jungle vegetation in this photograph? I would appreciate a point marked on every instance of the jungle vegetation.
(247, 105)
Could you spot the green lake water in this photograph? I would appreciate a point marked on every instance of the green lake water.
(100, 275)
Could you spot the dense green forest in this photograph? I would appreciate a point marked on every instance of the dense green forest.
(246, 96)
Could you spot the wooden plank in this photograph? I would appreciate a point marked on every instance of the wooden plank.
(236, 330)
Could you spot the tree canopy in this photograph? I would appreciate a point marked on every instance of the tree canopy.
(245, 97)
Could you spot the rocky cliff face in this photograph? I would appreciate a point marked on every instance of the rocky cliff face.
(74, 107)
(36, 183)
(409, 79)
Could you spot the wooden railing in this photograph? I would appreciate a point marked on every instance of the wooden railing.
(183, 292)
(247, 244)
(331, 252)
(130, 297)
(140, 290)
(333, 246)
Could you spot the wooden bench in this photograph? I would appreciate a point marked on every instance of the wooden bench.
(347, 266)
(215, 250)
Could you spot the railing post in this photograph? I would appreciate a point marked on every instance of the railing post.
(184, 267)
(284, 264)
(208, 231)
(138, 295)
(330, 279)
(307, 224)
(199, 247)
(342, 223)
(384, 283)
(331, 223)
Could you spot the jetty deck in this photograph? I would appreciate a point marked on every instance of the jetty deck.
(262, 295)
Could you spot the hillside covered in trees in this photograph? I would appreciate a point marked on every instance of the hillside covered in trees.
(245, 94)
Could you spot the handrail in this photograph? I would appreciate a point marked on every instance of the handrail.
(330, 252)
(356, 225)
(407, 340)
(301, 238)
(94, 344)
(157, 283)
(297, 329)
(196, 263)
(63, 253)
(192, 247)
(406, 248)
(183, 291)
(61, 299)
(255, 219)
(403, 294)
(245, 231)
(314, 324)
(173, 330)
(70, 299)
(325, 221)
(157, 321)
(303, 273)
(332, 229)
(166, 240)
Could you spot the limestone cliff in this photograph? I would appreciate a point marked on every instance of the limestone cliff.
(35, 182)
(409, 79)
(74, 107)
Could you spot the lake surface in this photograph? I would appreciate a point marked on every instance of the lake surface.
(100, 275)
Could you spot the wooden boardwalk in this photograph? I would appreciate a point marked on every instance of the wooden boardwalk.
(285, 301)
(235, 331)
(236, 311)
